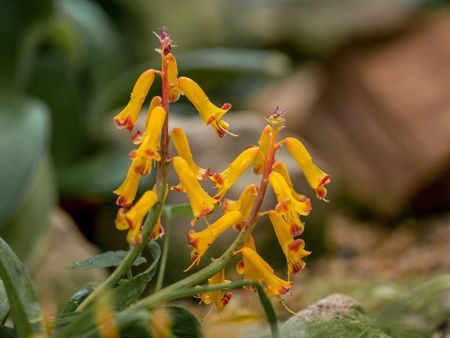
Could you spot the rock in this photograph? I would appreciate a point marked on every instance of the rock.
(383, 121)
(54, 283)
(334, 316)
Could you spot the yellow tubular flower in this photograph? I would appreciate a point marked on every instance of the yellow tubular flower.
(316, 178)
(182, 146)
(174, 93)
(134, 217)
(201, 203)
(149, 147)
(280, 168)
(290, 204)
(127, 190)
(264, 141)
(285, 193)
(201, 241)
(128, 116)
(228, 177)
(244, 204)
(210, 113)
(292, 248)
(139, 135)
(257, 269)
(219, 298)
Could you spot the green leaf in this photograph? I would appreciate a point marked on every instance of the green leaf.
(77, 298)
(4, 304)
(82, 323)
(104, 260)
(128, 292)
(25, 308)
(184, 324)
(24, 129)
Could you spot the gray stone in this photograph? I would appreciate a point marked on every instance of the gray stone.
(334, 316)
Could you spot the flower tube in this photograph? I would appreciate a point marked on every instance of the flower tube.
(257, 269)
(134, 217)
(128, 116)
(182, 146)
(229, 176)
(292, 248)
(201, 203)
(210, 113)
(202, 240)
(316, 178)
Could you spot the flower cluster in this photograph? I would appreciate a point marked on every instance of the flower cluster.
(241, 214)
(244, 212)
(130, 217)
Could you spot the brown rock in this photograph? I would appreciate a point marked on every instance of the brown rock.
(383, 122)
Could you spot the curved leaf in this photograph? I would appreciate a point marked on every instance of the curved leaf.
(104, 260)
(4, 304)
(25, 308)
(76, 299)
(83, 324)
(24, 129)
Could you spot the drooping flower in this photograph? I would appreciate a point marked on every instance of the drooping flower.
(127, 190)
(201, 203)
(210, 113)
(292, 248)
(133, 218)
(182, 146)
(200, 241)
(280, 167)
(263, 143)
(139, 135)
(315, 177)
(228, 177)
(128, 116)
(244, 204)
(219, 298)
(149, 148)
(255, 268)
(288, 203)
(174, 90)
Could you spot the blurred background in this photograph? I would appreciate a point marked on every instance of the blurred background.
(365, 84)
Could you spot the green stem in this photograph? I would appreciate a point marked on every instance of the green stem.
(167, 218)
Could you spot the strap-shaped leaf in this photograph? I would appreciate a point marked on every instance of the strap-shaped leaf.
(104, 260)
(4, 304)
(25, 308)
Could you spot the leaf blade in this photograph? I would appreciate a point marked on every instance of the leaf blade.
(25, 308)
(104, 260)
